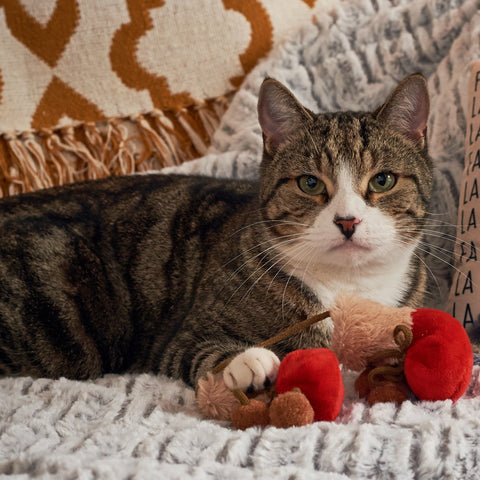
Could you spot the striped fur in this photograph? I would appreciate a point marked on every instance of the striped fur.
(172, 274)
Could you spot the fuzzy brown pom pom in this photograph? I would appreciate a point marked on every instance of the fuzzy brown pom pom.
(214, 399)
(291, 409)
(253, 414)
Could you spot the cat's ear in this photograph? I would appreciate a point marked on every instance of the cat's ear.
(280, 114)
(406, 109)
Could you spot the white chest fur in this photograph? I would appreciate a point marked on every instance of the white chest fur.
(386, 283)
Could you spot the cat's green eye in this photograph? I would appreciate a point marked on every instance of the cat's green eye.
(311, 185)
(382, 182)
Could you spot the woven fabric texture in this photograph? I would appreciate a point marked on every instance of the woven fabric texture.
(93, 88)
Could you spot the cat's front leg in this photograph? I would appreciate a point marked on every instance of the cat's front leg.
(255, 368)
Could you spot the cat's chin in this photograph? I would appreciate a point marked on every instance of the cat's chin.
(351, 254)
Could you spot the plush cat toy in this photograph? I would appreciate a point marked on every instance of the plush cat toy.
(428, 349)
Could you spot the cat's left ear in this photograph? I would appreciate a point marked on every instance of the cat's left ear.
(406, 109)
(280, 114)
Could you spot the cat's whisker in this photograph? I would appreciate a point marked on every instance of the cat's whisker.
(427, 218)
(442, 260)
(283, 294)
(303, 245)
(270, 240)
(429, 270)
(277, 222)
(308, 249)
(454, 242)
(452, 229)
(304, 248)
(442, 223)
(402, 242)
(428, 231)
(264, 253)
(428, 245)
(305, 270)
(438, 226)
(436, 233)
(282, 255)
(448, 252)
(451, 248)
(437, 213)
(457, 256)
(434, 226)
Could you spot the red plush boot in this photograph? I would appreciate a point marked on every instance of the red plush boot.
(316, 372)
(438, 364)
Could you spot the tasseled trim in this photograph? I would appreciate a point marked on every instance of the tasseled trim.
(35, 160)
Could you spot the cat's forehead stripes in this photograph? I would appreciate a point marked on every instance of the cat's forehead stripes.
(342, 139)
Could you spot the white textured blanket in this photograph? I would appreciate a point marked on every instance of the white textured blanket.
(124, 427)
(147, 427)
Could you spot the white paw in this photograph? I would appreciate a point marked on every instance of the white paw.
(255, 367)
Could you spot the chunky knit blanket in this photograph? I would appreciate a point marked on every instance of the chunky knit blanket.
(147, 426)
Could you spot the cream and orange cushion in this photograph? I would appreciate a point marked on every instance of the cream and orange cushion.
(93, 88)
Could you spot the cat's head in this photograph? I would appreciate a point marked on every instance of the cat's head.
(345, 189)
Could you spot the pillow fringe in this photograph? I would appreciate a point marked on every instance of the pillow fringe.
(117, 146)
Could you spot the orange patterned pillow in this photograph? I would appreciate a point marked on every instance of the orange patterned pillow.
(89, 89)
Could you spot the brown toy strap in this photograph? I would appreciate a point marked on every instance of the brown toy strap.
(288, 332)
(402, 336)
(241, 396)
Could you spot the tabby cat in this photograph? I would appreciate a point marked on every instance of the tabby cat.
(172, 274)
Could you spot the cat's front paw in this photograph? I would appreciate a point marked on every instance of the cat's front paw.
(255, 368)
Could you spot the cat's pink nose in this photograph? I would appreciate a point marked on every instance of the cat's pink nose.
(347, 225)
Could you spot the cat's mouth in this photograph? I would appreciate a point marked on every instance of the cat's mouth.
(350, 246)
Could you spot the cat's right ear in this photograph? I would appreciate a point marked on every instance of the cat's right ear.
(280, 114)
